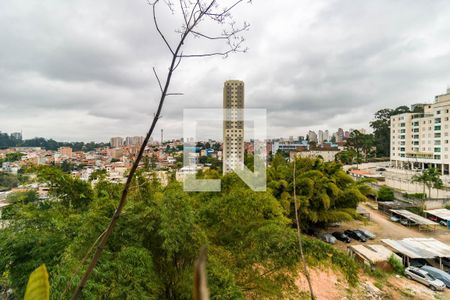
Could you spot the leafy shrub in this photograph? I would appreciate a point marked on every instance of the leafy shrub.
(415, 196)
(396, 264)
(385, 194)
(319, 252)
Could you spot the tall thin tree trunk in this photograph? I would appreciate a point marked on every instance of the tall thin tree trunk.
(299, 236)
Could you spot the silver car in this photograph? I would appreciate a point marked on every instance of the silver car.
(438, 274)
(425, 278)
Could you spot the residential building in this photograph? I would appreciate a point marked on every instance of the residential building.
(320, 137)
(286, 147)
(326, 155)
(420, 140)
(340, 134)
(233, 125)
(66, 152)
(326, 136)
(116, 142)
(312, 136)
(134, 140)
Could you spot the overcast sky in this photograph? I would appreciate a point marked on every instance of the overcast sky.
(82, 69)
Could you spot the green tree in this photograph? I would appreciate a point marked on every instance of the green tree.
(430, 178)
(382, 132)
(345, 157)
(385, 193)
(8, 181)
(361, 144)
(325, 193)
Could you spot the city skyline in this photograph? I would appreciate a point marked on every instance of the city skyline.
(89, 79)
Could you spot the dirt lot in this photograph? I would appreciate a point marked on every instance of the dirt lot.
(330, 285)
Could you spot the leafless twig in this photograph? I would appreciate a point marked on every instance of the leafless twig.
(200, 10)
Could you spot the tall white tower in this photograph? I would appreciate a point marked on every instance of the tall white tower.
(233, 125)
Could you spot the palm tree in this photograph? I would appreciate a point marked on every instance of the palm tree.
(430, 178)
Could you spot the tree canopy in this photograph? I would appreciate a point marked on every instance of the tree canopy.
(251, 242)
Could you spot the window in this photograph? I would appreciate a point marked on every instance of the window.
(436, 149)
(438, 112)
(437, 128)
(437, 120)
(437, 135)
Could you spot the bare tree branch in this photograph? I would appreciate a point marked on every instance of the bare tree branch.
(157, 26)
(157, 79)
(198, 12)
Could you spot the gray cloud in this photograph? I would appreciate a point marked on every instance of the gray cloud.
(82, 70)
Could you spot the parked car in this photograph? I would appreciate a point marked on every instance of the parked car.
(443, 223)
(356, 235)
(425, 278)
(406, 222)
(418, 262)
(438, 274)
(328, 238)
(368, 234)
(342, 237)
(394, 219)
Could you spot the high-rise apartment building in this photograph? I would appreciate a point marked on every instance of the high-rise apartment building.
(116, 142)
(419, 139)
(320, 137)
(326, 136)
(312, 136)
(134, 140)
(233, 125)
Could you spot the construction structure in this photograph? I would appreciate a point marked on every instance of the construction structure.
(413, 220)
(441, 216)
(411, 249)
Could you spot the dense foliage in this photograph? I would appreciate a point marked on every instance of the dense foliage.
(251, 242)
(7, 141)
(385, 193)
(325, 192)
(8, 181)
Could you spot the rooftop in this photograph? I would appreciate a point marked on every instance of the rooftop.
(419, 247)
